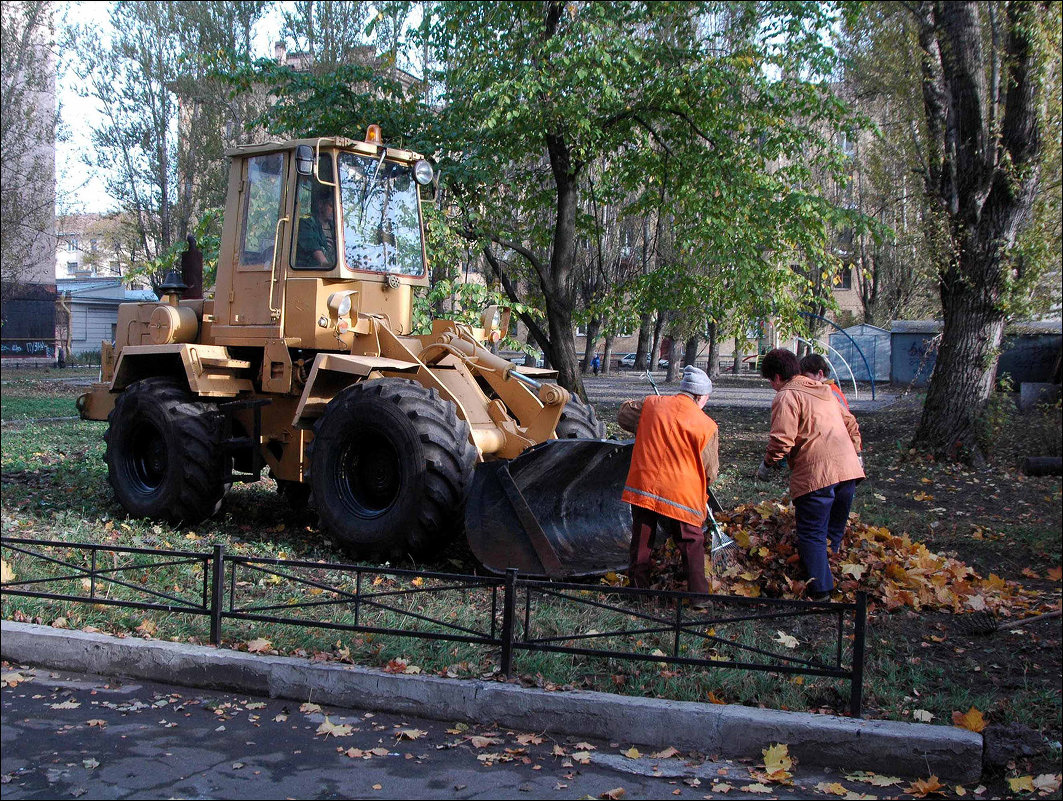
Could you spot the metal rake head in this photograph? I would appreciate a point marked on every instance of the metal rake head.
(722, 550)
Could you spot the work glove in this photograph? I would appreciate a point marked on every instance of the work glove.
(763, 472)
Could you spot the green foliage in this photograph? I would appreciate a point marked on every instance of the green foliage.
(208, 238)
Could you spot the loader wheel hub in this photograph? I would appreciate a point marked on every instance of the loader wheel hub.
(371, 476)
(149, 457)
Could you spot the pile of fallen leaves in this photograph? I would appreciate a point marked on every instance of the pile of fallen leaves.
(894, 570)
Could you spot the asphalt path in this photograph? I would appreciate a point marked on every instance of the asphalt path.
(75, 736)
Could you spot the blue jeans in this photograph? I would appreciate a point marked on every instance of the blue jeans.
(821, 517)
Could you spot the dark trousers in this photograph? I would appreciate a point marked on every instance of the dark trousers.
(690, 540)
(821, 517)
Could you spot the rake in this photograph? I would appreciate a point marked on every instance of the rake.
(987, 622)
(722, 549)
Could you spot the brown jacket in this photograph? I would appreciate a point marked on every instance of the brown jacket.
(676, 456)
(820, 439)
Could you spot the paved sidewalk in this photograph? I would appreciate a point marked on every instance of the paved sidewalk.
(69, 735)
(728, 731)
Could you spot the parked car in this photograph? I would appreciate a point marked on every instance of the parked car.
(662, 363)
(628, 360)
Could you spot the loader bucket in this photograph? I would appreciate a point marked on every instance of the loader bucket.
(554, 511)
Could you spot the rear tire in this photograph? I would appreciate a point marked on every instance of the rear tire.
(391, 464)
(578, 421)
(164, 460)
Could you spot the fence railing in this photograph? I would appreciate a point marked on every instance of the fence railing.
(504, 612)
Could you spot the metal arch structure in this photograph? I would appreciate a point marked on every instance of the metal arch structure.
(859, 350)
(852, 376)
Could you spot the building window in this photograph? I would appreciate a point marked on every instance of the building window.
(72, 243)
(71, 267)
(844, 279)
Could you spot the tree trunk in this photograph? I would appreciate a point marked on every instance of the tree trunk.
(690, 352)
(643, 349)
(713, 367)
(963, 379)
(607, 354)
(982, 182)
(737, 363)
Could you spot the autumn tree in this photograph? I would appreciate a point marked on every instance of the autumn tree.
(28, 120)
(985, 68)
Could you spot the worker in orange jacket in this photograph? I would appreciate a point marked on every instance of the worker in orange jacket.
(676, 457)
(817, 368)
(821, 441)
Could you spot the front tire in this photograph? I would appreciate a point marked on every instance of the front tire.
(391, 464)
(164, 460)
(578, 421)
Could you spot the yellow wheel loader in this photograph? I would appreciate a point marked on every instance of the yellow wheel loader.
(304, 362)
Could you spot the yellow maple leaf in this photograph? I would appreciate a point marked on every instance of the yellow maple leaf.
(632, 753)
(147, 627)
(831, 788)
(921, 788)
(6, 573)
(972, 719)
(309, 708)
(777, 762)
(411, 734)
(334, 729)
(614, 794)
(258, 645)
(856, 571)
(1021, 784)
(667, 753)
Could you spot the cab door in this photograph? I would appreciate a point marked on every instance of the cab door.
(254, 297)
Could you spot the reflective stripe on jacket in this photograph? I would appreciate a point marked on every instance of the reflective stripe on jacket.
(669, 464)
(819, 437)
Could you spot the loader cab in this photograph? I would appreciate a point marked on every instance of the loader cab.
(320, 226)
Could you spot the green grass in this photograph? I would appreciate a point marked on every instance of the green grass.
(21, 408)
(55, 487)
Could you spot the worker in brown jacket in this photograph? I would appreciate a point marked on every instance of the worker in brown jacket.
(676, 457)
(821, 441)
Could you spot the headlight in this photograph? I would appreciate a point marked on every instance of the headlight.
(340, 303)
(423, 173)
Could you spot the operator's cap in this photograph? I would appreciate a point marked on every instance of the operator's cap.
(695, 381)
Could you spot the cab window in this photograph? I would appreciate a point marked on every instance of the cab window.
(262, 209)
(314, 243)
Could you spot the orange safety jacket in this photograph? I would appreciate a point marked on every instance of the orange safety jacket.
(838, 393)
(668, 465)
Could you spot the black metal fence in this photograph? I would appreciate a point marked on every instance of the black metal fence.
(504, 612)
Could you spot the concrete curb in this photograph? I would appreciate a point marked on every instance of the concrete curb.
(907, 749)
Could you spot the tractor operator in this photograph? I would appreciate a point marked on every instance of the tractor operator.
(676, 457)
(821, 440)
(317, 233)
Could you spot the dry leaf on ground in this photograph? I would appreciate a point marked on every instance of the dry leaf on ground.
(921, 788)
(334, 729)
(971, 719)
(777, 762)
(1021, 784)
